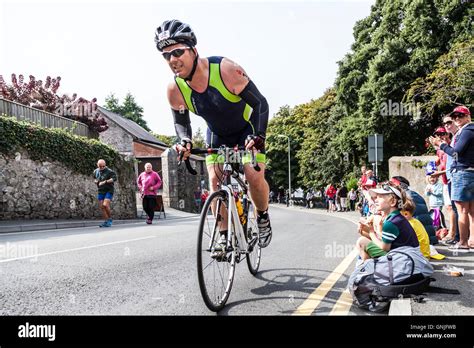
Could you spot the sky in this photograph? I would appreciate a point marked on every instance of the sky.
(289, 49)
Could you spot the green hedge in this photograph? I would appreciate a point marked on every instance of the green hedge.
(53, 144)
(352, 183)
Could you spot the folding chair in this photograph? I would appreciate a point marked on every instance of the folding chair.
(160, 207)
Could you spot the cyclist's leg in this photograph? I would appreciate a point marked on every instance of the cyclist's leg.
(259, 189)
(258, 186)
(215, 170)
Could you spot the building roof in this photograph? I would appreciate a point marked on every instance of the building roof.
(131, 127)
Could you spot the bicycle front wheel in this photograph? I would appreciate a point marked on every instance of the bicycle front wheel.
(215, 270)
(254, 251)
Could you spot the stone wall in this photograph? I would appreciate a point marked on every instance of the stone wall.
(48, 190)
(403, 166)
(178, 184)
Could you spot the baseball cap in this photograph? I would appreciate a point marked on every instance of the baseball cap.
(440, 130)
(430, 167)
(401, 181)
(434, 254)
(461, 110)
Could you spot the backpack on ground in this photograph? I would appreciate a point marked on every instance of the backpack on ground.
(402, 272)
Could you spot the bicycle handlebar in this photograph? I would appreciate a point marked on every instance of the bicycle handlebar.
(210, 151)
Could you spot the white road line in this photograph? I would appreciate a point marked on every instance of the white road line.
(39, 231)
(73, 229)
(75, 249)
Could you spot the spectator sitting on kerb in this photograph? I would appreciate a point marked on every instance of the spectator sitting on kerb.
(421, 212)
(420, 231)
(396, 230)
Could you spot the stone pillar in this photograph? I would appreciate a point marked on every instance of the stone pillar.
(179, 185)
(412, 168)
(169, 170)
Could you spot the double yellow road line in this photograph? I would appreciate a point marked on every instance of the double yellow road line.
(344, 303)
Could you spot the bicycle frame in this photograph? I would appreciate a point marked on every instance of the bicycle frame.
(232, 214)
(233, 217)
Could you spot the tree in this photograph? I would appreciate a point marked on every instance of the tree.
(113, 104)
(288, 122)
(400, 56)
(169, 140)
(44, 97)
(128, 109)
(198, 139)
(450, 83)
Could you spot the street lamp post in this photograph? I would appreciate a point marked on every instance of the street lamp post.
(289, 167)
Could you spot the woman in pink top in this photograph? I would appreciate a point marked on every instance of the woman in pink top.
(148, 183)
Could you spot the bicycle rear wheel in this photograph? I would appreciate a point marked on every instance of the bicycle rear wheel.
(254, 251)
(215, 273)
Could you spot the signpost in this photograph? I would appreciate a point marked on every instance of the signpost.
(375, 150)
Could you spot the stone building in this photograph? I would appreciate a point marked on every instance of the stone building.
(179, 187)
(128, 138)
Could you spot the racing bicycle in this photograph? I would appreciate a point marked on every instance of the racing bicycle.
(229, 209)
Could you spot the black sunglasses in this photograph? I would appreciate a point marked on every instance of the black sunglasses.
(177, 52)
(457, 115)
(447, 123)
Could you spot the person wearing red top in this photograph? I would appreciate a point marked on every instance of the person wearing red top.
(363, 177)
(148, 183)
(444, 168)
(442, 156)
(204, 195)
(441, 163)
(370, 180)
(331, 195)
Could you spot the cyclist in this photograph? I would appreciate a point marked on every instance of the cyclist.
(236, 113)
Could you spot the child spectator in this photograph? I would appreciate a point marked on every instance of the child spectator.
(396, 230)
(434, 191)
(421, 234)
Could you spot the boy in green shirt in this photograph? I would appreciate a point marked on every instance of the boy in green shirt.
(396, 230)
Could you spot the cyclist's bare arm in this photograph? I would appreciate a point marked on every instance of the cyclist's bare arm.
(234, 76)
(237, 81)
(180, 112)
